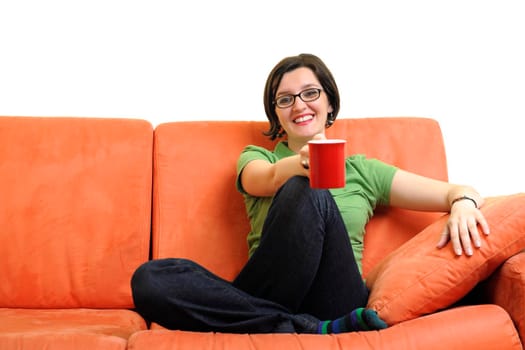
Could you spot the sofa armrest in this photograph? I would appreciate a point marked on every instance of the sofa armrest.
(506, 288)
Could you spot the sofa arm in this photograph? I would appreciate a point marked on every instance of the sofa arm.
(506, 288)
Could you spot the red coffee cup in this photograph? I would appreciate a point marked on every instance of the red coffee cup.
(327, 163)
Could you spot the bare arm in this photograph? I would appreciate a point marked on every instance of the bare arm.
(411, 191)
(262, 179)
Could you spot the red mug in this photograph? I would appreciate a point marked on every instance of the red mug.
(327, 163)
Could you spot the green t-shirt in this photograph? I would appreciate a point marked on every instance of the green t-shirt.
(368, 183)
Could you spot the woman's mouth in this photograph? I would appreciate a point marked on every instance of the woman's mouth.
(303, 119)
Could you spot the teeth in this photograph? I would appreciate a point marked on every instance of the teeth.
(302, 119)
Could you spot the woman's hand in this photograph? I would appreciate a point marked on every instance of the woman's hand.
(304, 152)
(416, 192)
(462, 228)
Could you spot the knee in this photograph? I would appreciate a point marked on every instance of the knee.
(298, 188)
(151, 278)
(142, 282)
(141, 276)
(296, 185)
(297, 182)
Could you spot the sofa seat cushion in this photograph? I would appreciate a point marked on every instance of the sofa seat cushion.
(73, 328)
(61, 341)
(470, 327)
(418, 278)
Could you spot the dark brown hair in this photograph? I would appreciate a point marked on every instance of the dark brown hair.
(286, 65)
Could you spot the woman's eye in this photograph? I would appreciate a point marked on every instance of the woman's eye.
(309, 93)
(284, 100)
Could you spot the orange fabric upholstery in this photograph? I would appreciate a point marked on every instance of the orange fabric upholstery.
(418, 278)
(506, 287)
(76, 199)
(60, 340)
(75, 218)
(84, 198)
(198, 214)
(484, 327)
(192, 219)
(197, 211)
(413, 144)
(67, 328)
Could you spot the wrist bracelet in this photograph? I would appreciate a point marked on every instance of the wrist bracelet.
(463, 198)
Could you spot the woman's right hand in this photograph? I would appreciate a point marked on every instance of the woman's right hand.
(304, 152)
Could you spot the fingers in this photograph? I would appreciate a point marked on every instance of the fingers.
(474, 233)
(305, 164)
(483, 224)
(456, 240)
(304, 157)
(464, 233)
(443, 239)
(468, 235)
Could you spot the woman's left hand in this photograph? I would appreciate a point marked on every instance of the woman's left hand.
(462, 228)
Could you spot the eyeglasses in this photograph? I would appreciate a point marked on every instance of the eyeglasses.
(307, 95)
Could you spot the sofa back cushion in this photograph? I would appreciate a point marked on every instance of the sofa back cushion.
(411, 143)
(75, 210)
(198, 213)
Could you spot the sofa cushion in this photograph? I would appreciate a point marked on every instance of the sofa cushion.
(197, 211)
(60, 341)
(75, 210)
(418, 278)
(412, 143)
(471, 327)
(199, 214)
(67, 328)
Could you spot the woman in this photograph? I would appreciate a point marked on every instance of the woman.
(303, 274)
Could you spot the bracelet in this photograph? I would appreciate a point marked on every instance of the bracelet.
(463, 198)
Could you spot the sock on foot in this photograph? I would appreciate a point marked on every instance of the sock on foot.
(361, 319)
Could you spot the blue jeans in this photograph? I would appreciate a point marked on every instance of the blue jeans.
(303, 271)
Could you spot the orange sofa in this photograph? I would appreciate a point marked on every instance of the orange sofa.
(85, 201)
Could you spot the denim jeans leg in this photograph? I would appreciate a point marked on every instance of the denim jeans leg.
(305, 261)
(180, 294)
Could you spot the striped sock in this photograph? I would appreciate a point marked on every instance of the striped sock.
(360, 319)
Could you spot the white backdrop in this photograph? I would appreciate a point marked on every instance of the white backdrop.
(458, 61)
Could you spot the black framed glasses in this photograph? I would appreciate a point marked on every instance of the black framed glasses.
(307, 95)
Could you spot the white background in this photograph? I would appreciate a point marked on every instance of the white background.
(458, 61)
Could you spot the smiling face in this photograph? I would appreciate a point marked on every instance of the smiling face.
(302, 120)
(288, 78)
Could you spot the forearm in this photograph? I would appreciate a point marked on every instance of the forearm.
(262, 179)
(411, 191)
(286, 168)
